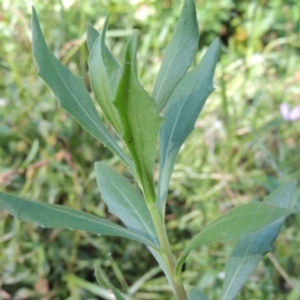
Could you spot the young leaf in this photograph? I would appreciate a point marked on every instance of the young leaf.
(105, 74)
(125, 201)
(195, 294)
(239, 221)
(139, 120)
(71, 92)
(250, 249)
(91, 36)
(103, 280)
(181, 114)
(58, 216)
(178, 56)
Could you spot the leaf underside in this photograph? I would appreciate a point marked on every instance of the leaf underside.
(250, 249)
(125, 201)
(58, 216)
(178, 56)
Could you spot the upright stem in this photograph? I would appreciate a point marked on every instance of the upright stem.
(169, 260)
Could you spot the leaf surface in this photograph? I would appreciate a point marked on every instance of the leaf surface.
(250, 249)
(239, 221)
(71, 92)
(125, 201)
(91, 36)
(58, 216)
(161, 258)
(181, 114)
(179, 54)
(195, 294)
(105, 74)
(139, 120)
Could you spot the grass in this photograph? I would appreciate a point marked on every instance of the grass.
(240, 150)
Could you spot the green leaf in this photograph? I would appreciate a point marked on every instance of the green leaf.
(162, 259)
(139, 120)
(125, 201)
(103, 280)
(91, 36)
(178, 56)
(250, 249)
(76, 283)
(71, 92)
(239, 221)
(195, 294)
(58, 216)
(105, 74)
(181, 114)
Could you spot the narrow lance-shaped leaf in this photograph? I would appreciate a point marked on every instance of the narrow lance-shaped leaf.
(125, 201)
(181, 114)
(239, 221)
(105, 74)
(58, 216)
(178, 56)
(139, 120)
(91, 36)
(250, 249)
(71, 92)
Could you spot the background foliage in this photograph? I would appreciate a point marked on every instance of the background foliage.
(240, 151)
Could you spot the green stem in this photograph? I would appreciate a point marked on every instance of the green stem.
(168, 257)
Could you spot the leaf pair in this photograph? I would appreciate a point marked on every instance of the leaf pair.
(243, 220)
(71, 92)
(126, 104)
(182, 111)
(182, 95)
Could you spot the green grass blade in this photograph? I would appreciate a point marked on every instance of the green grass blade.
(139, 119)
(70, 92)
(58, 216)
(103, 280)
(195, 294)
(105, 74)
(250, 249)
(91, 36)
(125, 201)
(178, 56)
(181, 114)
(238, 222)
